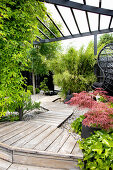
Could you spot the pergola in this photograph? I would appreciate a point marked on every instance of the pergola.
(72, 5)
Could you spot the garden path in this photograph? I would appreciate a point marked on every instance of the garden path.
(57, 112)
(40, 144)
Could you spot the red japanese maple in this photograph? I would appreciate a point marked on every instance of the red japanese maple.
(100, 115)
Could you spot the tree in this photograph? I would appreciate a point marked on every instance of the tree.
(41, 56)
(37, 65)
(18, 29)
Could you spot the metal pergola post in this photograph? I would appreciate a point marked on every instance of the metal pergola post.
(95, 44)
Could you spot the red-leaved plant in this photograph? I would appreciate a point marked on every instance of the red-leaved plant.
(100, 115)
(83, 99)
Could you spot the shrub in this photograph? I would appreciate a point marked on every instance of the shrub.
(101, 114)
(30, 106)
(99, 117)
(98, 151)
(74, 70)
(83, 99)
(43, 85)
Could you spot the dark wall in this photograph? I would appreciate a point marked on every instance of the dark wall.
(39, 79)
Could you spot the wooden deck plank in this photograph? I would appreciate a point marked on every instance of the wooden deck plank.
(62, 112)
(47, 141)
(4, 124)
(27, 130)
(44, 160)
(14, 132)
(4, 165)
(45, 122)
(28, 167)
(39, 138)
(31, 136)
(77, 151)
(49, 119)
(58, 143)
(52, 117)
(68, 146)
(10, 128)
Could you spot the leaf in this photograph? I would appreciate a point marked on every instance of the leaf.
(97, 147)
(108, 143)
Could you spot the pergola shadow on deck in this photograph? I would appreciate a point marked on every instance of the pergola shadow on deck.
(74, 6)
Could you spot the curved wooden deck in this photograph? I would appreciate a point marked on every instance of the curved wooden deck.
(40, 142)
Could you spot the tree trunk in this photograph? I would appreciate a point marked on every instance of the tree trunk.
(20, 113)
(33, 81)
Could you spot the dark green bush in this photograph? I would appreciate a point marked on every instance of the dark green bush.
(37, 90)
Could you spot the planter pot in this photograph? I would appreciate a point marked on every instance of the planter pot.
(87, 131)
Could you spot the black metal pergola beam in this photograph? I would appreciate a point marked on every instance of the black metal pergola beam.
(80, 6)
(43, 33)
(75, 36)
(75, 21)
(46, 27)
(110, 22)
(53, 22)
(63, 19)
(100, 3)
(87, 17)
(39, 38)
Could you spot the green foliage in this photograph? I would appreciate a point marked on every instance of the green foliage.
(37, 90)
(74, 70)
(105, 39)
(43, 85)
(30, 88)
(37, 62)
(18, 29)
(77, 124)
(98, 151)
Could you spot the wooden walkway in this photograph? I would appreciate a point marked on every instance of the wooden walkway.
(53, 118)
(40, 142)
(57, 114)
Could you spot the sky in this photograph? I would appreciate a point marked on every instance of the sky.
(81, 19)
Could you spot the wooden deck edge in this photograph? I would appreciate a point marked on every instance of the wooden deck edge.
(37, 158)
(65, 120)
